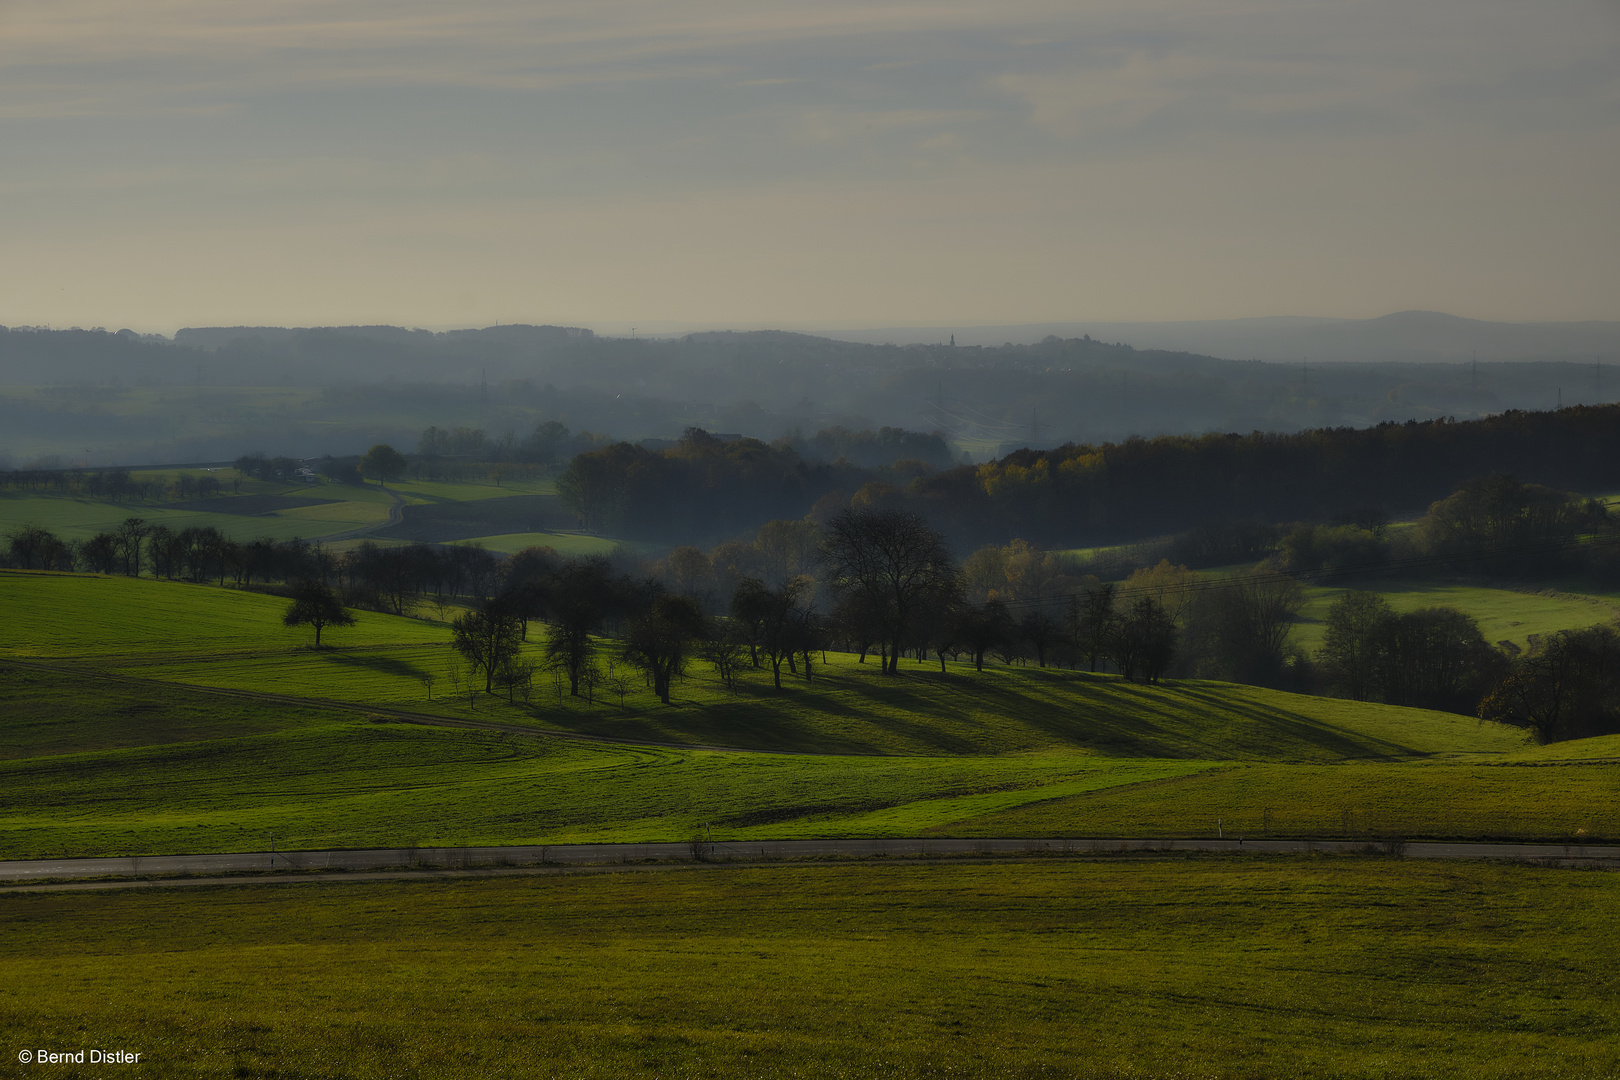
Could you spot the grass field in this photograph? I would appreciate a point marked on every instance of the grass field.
(1504, 614)
(1570, 802)
(250, 509)
(224, 638)
(1162, 968)
(129, 767)
(149, 761)
(154, 763)
(567, 543)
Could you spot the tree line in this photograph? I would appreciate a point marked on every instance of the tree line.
(1211, 487)
(119, 485)
(880, 582)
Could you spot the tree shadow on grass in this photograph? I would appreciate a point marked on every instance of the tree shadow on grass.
(383, 665)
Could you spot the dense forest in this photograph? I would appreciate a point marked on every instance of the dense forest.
(702, 488)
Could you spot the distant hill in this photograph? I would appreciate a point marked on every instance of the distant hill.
(1404, 337)
(213, 393)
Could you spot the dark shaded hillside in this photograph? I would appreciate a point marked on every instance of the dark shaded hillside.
(1087, 494)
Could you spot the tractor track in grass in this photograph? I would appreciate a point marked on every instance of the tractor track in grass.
(406, 716)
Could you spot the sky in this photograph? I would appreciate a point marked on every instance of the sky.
(804, 164)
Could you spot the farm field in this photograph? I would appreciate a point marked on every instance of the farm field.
(1504, 614)
(1572, 800)
(224, 638)
(175, 777)
(249, 509)
(566, 543)
(1155, 968)
(112, 767)
(116, 746)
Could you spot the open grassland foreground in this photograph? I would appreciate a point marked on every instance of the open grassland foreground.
(1165, 967)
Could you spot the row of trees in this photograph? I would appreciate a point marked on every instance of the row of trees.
(119, 485)
(1434, 658)
(1566, 685)
(382, 578)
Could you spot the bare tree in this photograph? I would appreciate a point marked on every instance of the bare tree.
(489, 636)
(770, 618)
(130, 534)
(660, 638)
(893, 562)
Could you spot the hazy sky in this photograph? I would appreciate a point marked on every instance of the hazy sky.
(747, 162)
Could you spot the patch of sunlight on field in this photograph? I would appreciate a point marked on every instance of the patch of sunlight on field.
(566, 543)
(91, 615)
(323, 781)
(1503, 614)
(1354, 800)
(1598, 748)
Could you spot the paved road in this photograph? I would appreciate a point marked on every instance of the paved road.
(578, 854)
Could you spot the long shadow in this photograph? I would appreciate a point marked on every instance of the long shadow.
(1139, 720)
(386, 665)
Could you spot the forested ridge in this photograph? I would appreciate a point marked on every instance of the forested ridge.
(1087, 494)
(213, 394)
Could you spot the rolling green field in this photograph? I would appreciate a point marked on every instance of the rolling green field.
(308, 511)
(117, 746)
(129, 767)
(251, 509)
(1504, 614)
(1152, 968)
(224, 638)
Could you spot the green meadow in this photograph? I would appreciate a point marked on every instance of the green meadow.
(1504, 614)
(228, 639)
(1218, 967)
(133, 767)
(251, 509)
(150, 716)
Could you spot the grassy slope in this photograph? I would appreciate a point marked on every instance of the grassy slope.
(1451, 801)
(1154, 969)
(1503, 614)
(1010, 751)
(333, 508)
(110, 767)
(213, 637)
